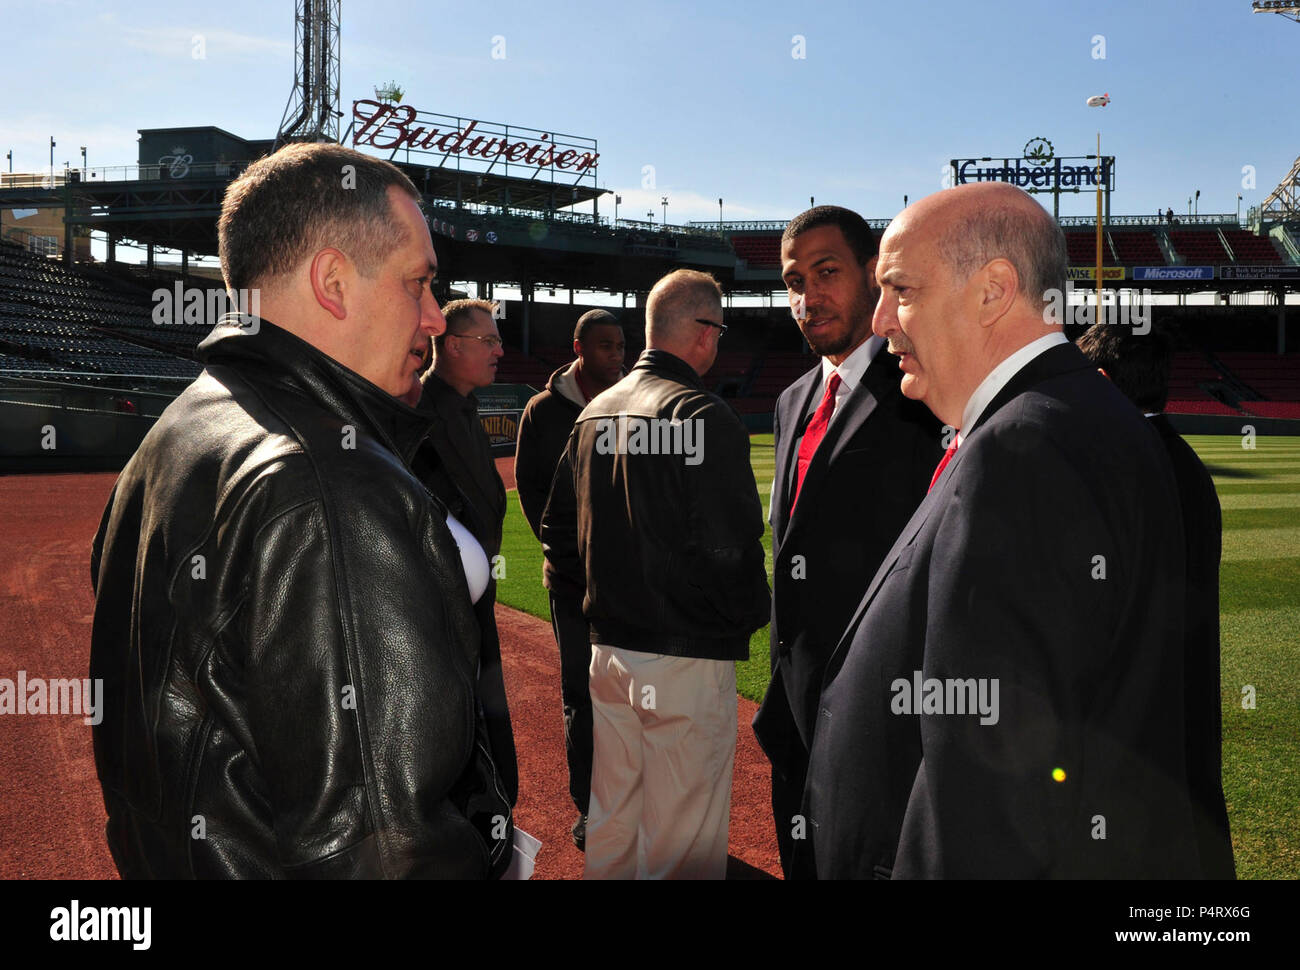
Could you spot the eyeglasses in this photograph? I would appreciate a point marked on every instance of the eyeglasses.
(710, 323)
(492, 341)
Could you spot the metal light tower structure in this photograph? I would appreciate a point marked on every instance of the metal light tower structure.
(1291, 11)
(312, 113)
(1284, 201)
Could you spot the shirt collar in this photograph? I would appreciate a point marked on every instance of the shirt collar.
(855, 365)
(1000, 375)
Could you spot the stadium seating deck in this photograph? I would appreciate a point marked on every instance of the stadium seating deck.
(1198, 246)
(1249, 248)
(1081, 248)
(759, 251)
(1136, 247)
(1199, 407)
(1274, 377)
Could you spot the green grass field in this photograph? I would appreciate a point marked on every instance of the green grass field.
(1259, 490)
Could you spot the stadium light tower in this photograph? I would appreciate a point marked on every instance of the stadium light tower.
(312, 112)
(1291, 11)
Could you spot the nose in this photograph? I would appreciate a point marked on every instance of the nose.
(431, 317)
(884, 322)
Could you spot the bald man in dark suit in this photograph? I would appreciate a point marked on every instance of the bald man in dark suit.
(1007, 701)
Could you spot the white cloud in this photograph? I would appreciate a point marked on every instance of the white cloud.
(179, 42)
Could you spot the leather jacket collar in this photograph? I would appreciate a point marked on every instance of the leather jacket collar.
(668, 365)
(296, 365)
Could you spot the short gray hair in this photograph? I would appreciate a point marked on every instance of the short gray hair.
(677, 299)
(1034, 245)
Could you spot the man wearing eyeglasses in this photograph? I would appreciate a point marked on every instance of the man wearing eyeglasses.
(455, 463)
(465, 359)
(654, 511)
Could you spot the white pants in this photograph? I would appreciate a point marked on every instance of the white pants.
(665, 743)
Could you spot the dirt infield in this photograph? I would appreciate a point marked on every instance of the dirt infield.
(51, 813)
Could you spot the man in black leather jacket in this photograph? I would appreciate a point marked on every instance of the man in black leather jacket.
(655, 512)
(282, 622)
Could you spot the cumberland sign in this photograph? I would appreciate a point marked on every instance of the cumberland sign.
(399, 127)
(1034, 174)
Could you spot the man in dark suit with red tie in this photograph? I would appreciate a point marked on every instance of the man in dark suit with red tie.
(1007, 700)
(853, 458)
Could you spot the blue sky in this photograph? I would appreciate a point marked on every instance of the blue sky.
(709, 94)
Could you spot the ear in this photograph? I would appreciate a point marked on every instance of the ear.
(577, 348)
(999, 285)
(328, 271)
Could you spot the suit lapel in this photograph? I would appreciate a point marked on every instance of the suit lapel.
(793, 407)
(880, 377)
(857, 407)
(1060, 359)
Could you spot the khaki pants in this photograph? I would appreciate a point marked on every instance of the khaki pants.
(665, 744)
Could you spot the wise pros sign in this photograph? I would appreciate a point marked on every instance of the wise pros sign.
(400, 127)
(1033, 175)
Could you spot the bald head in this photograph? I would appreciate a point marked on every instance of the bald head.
(965, 275)
(977, 223)
(674, 310)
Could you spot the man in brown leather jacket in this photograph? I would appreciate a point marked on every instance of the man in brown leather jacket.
(282, 621)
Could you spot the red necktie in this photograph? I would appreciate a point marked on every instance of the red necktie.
(943, 462)
(815, 432)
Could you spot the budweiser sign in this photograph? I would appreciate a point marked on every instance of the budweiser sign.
(390, 127)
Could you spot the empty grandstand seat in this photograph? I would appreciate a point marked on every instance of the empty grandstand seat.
(1250, 248)
(759, 251)
(1275, 377)
(1198, 246)
(1272, 409)
(1081, 248)
(1200, 407)
(1136, 247)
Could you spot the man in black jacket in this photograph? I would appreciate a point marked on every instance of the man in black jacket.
(455, 462)
(858, 455)
(282, 622)
(1139, 365)
(543, 433)
(655, 511)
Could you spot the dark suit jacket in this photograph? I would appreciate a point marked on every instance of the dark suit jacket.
(1048, 561)
(866, 478)
(455, 463)
(1203, 535)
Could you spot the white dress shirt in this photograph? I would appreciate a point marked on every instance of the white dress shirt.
(851, 371)
(999, 377)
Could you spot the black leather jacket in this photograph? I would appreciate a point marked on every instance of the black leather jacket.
(286, 638)
(668, 546)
